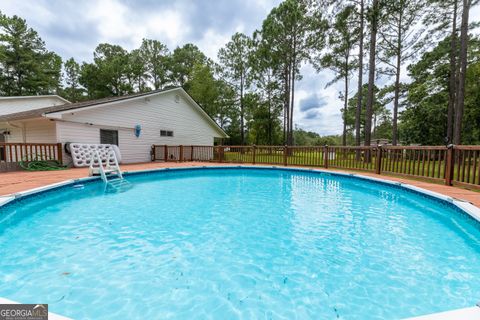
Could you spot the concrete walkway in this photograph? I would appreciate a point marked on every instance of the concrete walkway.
(13, 182)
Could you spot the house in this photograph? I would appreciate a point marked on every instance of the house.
(134, 122)
(10, 105)
(377, 142)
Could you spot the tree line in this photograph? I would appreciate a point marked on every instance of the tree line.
(415, 64)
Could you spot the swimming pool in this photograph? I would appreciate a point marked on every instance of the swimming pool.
(239, 243)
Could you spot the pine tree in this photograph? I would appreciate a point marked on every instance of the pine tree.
(358, 110)
(400, 40)
(462, 73)
(342, 37)
(26, 66)
(72, 91)
(234, 60)
(292, 30)
(374, 15)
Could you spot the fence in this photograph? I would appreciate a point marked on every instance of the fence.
(11, 154)
(451, 165)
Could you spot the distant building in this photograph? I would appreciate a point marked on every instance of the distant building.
(377, 142)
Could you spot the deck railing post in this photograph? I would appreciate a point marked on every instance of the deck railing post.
(152, 153)
(254, 151)
(378, 163)
(285, 155)
(191, 153)
(59, 153)
(165, 153)
(181, 153)
(325, 156)
(220, 153)
(450, 165)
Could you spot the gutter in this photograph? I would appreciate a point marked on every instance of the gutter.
(90, 124)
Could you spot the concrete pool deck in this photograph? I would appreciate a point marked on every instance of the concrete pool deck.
(18, 181)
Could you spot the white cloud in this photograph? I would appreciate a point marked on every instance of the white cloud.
(117, 23)
(212, 41)
(110, 20)
(328, 118)
(38, 12)
(169, 25)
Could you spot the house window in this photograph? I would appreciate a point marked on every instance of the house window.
(166, 133)
(109, 137)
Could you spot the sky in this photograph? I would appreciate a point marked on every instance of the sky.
(74, 28)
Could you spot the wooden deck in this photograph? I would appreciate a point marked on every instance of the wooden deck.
(13, 182)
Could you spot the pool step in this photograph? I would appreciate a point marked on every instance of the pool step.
(118, 185)
(111, 173)
(111, 165)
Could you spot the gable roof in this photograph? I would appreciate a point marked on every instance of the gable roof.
(40, 112)
(44, 112)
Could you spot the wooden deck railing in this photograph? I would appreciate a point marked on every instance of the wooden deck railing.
(458, 165)
(465, 165)
(11, 154)
(424, 162)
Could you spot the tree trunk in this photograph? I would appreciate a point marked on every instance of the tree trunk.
(270, 120)
(371, 76)
(358, 111)
(345, 105)
(290, 138)
(453, 75)
(286, 104)
(242, 129)
(457, 136)
(397, 83)
(292, 100)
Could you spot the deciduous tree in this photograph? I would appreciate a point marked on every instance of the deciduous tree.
(156, 60)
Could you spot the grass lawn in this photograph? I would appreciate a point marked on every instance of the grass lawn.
(411, 164)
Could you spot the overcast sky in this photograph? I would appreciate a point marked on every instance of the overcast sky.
(75, 28)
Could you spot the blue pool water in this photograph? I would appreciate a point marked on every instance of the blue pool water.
(239, 244)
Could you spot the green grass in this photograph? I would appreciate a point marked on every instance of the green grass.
(347, 160)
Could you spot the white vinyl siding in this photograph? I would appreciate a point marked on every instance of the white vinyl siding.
(31, 131)
(72, 132)
(153, 114)
(41, 131)
(15, 135)
(20, 104)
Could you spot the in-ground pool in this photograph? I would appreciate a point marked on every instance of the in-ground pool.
(232, 243)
